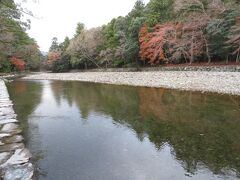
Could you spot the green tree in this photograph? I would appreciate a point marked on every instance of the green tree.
(131, 48)
(62, 65)
(110, 36)
(79, 29)
(138, 9)
(159, 11)
(219, 30)
(54, 45)
(64, 45)
(121, 37)
(14, 41)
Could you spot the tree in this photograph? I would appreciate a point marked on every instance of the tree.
(5, 65)
(79, 29)
(163, 31)
(18, 63)
(154, 45)
(30, 54)
(62, 65)
(121, 38)
(54, 45)
(9, 12)
(138, 9)
(159, 11)
(64, 45)
(114, 34)
(14, 41)
(86, 47)
(111, 39)
(131, 48)
(234, 39)
(232, 34)
(53, 56)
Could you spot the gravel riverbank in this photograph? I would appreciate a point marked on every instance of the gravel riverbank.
(220, 82)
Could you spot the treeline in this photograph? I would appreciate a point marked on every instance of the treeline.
(160, 32)
(18, 51)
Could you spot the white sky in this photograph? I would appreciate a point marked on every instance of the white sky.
(59, 18)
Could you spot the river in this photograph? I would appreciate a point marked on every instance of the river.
(90, 131)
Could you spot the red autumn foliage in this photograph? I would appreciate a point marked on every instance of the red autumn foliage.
(18, 63)
(168, 43)
(152, 43)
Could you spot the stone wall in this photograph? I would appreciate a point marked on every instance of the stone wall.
(14, 157)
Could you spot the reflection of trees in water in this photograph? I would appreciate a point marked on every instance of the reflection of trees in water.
(201, 128)
(100, 98)
(57, 87)
(26, 96)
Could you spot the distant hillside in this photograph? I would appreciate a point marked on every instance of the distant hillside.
(44, 53)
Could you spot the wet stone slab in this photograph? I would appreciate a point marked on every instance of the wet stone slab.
(8, 116)
(14, 157)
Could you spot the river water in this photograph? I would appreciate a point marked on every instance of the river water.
(87, 131)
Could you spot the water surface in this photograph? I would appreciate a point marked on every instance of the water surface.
(92, 131)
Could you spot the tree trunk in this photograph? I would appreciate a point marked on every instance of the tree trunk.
(227, 60)
(237, 59)
(191, 50)
(207, 50)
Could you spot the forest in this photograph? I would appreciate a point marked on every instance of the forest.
(160, 32)
(18, 51)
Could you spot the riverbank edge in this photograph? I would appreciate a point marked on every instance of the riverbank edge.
(12, 76)
(183, 67)
(14, 157)
(216, 82)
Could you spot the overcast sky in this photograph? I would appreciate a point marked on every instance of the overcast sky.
(58, 18)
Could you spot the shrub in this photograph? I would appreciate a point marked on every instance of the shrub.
(61, 65)
(5, 65)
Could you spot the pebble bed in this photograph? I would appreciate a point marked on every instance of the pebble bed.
(219, 82)
(14, 157)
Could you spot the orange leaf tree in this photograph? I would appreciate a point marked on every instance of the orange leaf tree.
(153, 45)
(173, 43)
(53, 56)
(18, 63)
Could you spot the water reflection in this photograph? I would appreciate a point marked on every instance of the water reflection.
(26, 97)
(179, 134)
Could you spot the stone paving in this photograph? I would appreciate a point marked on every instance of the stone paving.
(14, 157)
